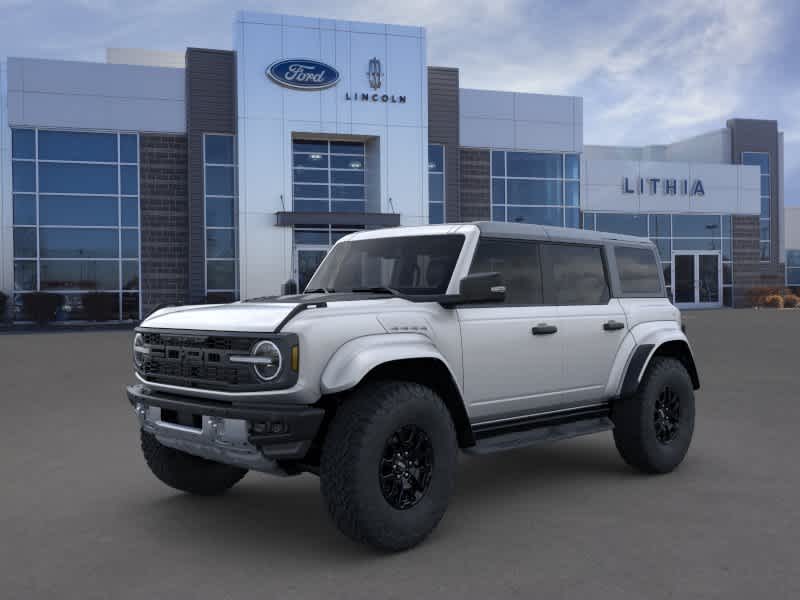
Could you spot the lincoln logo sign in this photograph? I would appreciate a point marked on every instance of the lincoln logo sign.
(669, 187)
(303, 74)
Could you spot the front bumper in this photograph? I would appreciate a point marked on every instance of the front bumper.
(253, 436)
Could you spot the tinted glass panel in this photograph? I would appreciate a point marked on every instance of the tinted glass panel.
(588, 221)
(727, 227)
(764, 229)
(436, 187)
(727, 273)
(128, 151)
(764, 247)
(72, 145)
(572, 163)
(24, 209)
(696, 225)
(79, 275)
(24, 242)
(524, 191)
(130, 212)
(310, 191)
(221, 275)
(664, 246)
(24, 275)
(436, 213)
(314, 175)
(130, 243)
(23, 176)
(219, 149)
(78, 243)
(77, 179)
(537, 215)
(347, 162)
(760, 159)
(765, 185)
(309, 146)
(572, 217)
(317, 238)
(318, 161)
(498, 213)
(498, 191)
(793, 277)
(356, 206)
(793, 258)
(626, 224)
(347, 192)
(219, 181)
(765, 207)
(436, 158)
(638, 271)
(130, 275)
(572, 190)
(356, 177)
(696, 244)
(77, 210)
(660, 226)
(130, 307)
(311, 205)
(527, 164)
(578, 276)
(347, 148)
(498, 164)
(219, 212)
(220, 243)
(23, 143)
(130, 180)
(518, 264)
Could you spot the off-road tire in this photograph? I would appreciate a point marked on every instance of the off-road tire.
(188, 473)
(351, 460)
(634, 428)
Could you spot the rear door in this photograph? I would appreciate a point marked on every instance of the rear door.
(592, 324)
(512, 350)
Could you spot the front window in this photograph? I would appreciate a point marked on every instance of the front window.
(329, 176)
(219, 153)
(761, 160)
(413, 265)
(436, 183)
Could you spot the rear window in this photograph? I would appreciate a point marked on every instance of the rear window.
(578, 274)
(638, 271)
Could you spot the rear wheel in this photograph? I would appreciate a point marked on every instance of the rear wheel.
(186, 472)
(388, 464)
(653, 428)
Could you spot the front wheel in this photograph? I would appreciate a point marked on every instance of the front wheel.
(653, 427)
(388, 464)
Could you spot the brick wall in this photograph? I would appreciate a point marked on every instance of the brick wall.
(163, 197)
(748, 271)
(474, 184)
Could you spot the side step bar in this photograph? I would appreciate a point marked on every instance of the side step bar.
(535, 429)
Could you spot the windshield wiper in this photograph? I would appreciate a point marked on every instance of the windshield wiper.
(380, 289)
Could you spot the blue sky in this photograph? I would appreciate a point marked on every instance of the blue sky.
(649, 72)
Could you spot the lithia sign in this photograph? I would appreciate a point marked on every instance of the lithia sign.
(669, 187)
(308, 74)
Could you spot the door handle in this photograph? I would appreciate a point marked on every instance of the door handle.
(613, 325)
(544, 329)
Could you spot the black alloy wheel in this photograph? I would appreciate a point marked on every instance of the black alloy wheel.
(667, 415)
(406, 467)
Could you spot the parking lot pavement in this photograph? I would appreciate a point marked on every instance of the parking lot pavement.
(81, 517)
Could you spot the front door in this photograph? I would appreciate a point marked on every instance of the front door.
(697, 279)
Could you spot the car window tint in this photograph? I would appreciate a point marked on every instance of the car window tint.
(518, 264)
(577, 274)
(638, 271)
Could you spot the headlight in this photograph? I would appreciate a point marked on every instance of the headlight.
(139, 350)
(267, 360)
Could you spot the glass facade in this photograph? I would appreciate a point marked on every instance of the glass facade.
(793, 268)
(328, 176)
(761, 160)
(532, 187)
(675, 233)
(436, 184)
(219, 157)
(311, 244)
(76, 221)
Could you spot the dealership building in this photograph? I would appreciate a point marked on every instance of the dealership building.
(213, 175)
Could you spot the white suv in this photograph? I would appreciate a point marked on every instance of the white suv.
(407, 345)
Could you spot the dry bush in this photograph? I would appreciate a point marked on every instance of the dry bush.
(773, 301)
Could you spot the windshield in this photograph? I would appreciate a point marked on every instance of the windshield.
(420, 264)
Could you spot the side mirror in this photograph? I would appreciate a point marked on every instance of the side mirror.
(480, 287)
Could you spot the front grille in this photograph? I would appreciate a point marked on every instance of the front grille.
(198, 361)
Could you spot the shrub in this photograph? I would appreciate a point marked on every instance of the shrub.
(41, 306)
(101, 307)
(790, 301)
(773, 301)
(3, 306)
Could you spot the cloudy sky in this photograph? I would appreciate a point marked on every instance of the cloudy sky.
(649, 72)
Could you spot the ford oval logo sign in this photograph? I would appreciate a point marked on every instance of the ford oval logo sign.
(303, 74)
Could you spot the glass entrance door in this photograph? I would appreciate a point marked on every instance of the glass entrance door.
(697, 279)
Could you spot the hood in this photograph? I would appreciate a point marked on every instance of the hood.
(250, 317)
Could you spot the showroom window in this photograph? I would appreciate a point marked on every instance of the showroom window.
(531, 187)
(436, 183)
(76, 222)
(311, 244)
(219, 152)
(328, 176)
(761, 160)
(675, 233)
(793, 268)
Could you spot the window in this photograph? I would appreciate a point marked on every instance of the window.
(311, 245)
(638, 271)
(518, 264)
(76, 219)
(219, 152)
(793, 267)
(328, 176)
(436, 183)
(577, 274)
(762, 161)
(533, 187)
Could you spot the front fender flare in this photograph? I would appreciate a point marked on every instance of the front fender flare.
(355, 359)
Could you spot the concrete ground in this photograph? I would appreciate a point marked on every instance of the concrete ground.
(81, 516)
